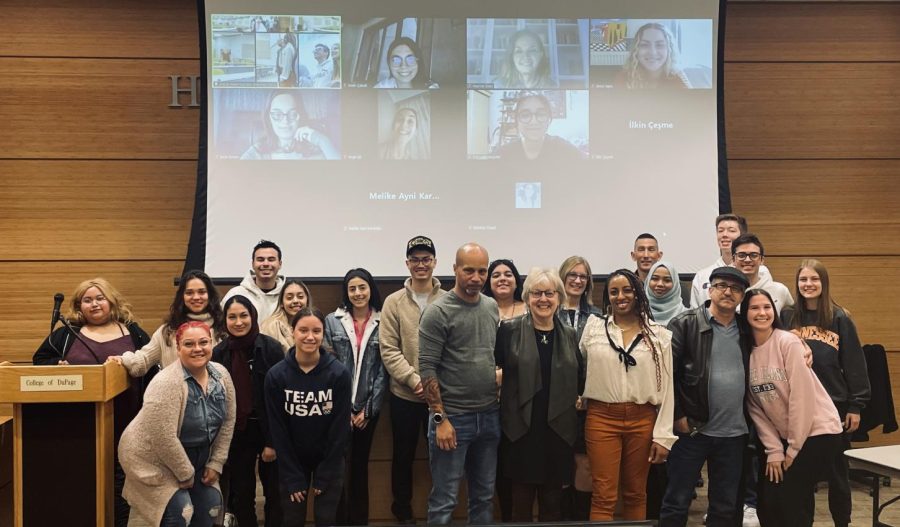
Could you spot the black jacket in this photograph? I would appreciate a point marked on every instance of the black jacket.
(692, 337)
(516, 352)
(56, 346)
(267, 352)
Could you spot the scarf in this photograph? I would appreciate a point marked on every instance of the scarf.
(665, 308)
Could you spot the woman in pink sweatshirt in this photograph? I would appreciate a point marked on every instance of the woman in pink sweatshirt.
(796, 421)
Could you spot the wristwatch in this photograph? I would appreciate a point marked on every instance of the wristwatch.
(437, 417)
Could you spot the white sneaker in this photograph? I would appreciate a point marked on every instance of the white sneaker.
(229, 520)
(750, 518)
(704, 518)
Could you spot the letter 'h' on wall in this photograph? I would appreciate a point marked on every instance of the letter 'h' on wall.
(176, 91)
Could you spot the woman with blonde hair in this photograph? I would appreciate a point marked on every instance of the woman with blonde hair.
(526, 65)
(295, 296)
(574, 310)
(652, 62)
(543, 376)
(103, 326)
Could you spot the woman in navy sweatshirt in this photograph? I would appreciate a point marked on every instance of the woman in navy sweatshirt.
(308, 405)
(839, 363)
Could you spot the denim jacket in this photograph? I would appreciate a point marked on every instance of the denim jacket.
(370, 379)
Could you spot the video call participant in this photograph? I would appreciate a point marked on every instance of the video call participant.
(534, 114)
(629, 397)
(728, 228)
(263, 284)
(710, 383)
(196, 299)
(352, 333)
(575, 309)
(336, 64)
(104, 320)
(174, 450)
(504, 285)
(839, 363)
(399, 338)
(404, 130)
(794, 416)
(294, 297)
(646, 253)
(526, 64)
(308, 406)
(748, 255)
(652, 61)
(544, 375)
(406, 67)
(457, 336)
(248, 355)
(324, 74)
(287, 132)
(284, 61)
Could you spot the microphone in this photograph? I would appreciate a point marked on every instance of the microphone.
(57, 303)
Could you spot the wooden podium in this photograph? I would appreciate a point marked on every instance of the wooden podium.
(62, 442)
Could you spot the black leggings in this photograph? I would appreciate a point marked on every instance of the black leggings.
(792, 502)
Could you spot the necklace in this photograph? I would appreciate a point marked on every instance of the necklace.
(509, 314)
(544, 336)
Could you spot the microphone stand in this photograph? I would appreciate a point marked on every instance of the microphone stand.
(77, 337)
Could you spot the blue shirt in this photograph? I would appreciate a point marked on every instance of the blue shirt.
(727, 383)
(203, 413)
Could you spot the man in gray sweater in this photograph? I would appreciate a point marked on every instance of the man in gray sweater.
(456, 363)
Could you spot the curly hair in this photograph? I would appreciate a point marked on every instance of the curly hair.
(634, 76)
(642, 310)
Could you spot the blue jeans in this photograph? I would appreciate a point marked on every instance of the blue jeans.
(477, 437)
(724, 457)
(199, 506)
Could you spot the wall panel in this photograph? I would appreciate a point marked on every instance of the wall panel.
(95, 210)
(95, 109)
(100, 28)
(812, 111)
(812, 32)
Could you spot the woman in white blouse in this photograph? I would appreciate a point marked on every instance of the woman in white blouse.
(629, 397)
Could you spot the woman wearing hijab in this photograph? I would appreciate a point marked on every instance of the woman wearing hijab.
(247, 355)
(663, 289)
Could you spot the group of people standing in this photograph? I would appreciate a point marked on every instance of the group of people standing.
(525, 388)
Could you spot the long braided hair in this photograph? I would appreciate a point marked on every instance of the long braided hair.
(642, 306)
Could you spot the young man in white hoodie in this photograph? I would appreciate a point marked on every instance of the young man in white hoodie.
(748, 256)
(728, 228)
(263, 284)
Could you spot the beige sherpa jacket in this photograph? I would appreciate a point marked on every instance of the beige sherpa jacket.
(399, 338)
(151, 453)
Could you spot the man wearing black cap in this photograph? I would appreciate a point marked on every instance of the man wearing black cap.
(710, 374)
(399, 338)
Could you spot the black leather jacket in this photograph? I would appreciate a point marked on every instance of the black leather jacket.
(692, 337)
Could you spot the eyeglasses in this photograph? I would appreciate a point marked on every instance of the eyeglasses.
(748, 256)
(575, 277)
(526, 116)
(410, 60)
(416, 261)
(550, 294)
(722, 287)
(278, 115)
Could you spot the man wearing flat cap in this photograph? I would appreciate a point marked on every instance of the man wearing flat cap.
(710, 374)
